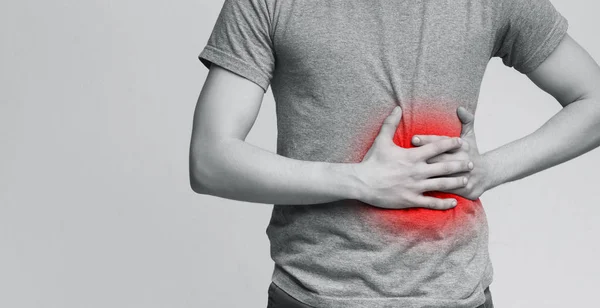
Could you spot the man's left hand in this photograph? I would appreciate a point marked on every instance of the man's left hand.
(478, 177)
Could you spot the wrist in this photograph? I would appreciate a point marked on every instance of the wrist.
(493, 170)
(348, 177)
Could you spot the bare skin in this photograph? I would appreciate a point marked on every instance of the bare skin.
(398, 176)
(572, 77)
(223, 164)
(479, 174)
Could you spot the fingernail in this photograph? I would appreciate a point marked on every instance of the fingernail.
(465, 180)
(396, 109)
(416, 140)
(459, 140)
(470, 165)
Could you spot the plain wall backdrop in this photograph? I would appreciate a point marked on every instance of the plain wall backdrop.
(96, 107)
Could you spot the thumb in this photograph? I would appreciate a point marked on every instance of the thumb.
(467, 119)
(388, 128)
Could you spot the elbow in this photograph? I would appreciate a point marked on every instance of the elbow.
(204, 168)
(197, 178)
(196, 185)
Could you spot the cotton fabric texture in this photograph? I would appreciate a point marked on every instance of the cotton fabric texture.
(336, 69)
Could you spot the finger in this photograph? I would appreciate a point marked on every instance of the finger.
(446, 168)
(434, 203)
(443, 183)
(441, 158)
(450, 156)
(464, 115)
(458, 174)
(419, 140)
(432, 149)
(390, 124)
(467, 119)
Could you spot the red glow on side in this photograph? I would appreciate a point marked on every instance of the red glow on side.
(422, 224)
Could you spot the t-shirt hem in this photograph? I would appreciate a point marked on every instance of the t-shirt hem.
(314, 300)
(211, 54)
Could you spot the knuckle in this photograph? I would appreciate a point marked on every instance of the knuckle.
(419, 169)
(416, 202)
(419, 187)
(459, 166)
(450, 143)
(471, 196)
(422, 187)
(446, 184)
(452, 182)
(434, 184)
(428, 203)
(411, 156)
(409, 202)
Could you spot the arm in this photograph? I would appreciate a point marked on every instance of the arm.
(572, 77)
(224, 165)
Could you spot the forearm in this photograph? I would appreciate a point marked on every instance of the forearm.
(238, 170)
(571, 132)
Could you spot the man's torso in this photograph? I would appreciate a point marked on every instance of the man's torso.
(341, 66)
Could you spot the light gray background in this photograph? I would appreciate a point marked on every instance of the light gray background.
(97, 99)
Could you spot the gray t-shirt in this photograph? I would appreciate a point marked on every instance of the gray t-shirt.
(336, 70)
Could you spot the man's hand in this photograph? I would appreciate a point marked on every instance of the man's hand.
(396, 177)
(479, 174)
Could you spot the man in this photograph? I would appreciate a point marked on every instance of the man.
(363, 211)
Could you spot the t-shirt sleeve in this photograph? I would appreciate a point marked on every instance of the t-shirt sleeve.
(241, 41)
(527, 32)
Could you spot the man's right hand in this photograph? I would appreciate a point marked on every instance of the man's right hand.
(396, 177)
